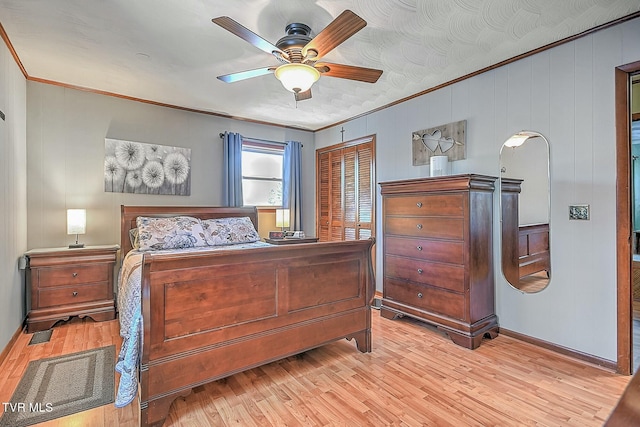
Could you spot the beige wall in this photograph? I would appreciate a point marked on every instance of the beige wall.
(635, 96)
(13, 195)
(66, 129)
(567, 94)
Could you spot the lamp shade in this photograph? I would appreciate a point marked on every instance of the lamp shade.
(297, 77)
(76, 221)
(282, 218)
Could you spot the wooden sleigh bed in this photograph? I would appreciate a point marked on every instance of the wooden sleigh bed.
(206, 316)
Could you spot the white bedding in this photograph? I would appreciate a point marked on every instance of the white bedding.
(130, 315)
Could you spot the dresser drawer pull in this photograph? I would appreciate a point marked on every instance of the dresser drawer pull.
(75, 293)
(419, 204)
(419, 248)
(419, 226)
(74, 274)
(420, 271)
(419, 294)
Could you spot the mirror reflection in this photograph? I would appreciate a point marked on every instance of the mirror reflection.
(525, 207)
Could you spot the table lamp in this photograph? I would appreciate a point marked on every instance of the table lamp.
(76, 224)
(282, 218)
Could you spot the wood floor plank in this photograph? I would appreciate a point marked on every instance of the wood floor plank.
(414, 376)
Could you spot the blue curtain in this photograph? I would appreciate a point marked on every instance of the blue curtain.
(292, 183)
(232, 169)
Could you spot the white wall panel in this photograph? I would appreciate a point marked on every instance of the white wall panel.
(66, 132)
(567, 94)
(13, 188)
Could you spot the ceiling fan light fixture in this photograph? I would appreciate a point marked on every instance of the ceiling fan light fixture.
(297, 77)
(516, 140)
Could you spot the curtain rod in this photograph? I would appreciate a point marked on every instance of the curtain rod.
(261, 140)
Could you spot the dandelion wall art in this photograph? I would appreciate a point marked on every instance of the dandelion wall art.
(137, 167)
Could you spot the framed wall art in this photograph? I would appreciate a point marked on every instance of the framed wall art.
(445, 140)
(138, 167)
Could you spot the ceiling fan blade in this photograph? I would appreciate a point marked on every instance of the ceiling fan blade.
(367, 75)
(339, 30)
(243, 75)
(301, 96)
(247, 35)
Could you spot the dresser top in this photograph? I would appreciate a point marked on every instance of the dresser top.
(440, 183)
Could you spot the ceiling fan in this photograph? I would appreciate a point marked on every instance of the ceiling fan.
(300, 55)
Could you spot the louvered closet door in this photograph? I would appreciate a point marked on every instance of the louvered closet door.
(364, 225)
(324, 203)
(346, 178)
(358, 198)
(350, 207)
(336, 213)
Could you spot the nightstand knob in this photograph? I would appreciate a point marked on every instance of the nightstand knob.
(420, 271)
(75, 294)
(419, 226)
(419, 248)
(74, 274)
(419, 204)
(419, 294)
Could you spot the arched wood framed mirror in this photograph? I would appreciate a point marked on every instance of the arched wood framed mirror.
(525, 211)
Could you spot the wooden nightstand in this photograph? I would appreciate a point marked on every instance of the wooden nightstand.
(291, 240)
(63, 282)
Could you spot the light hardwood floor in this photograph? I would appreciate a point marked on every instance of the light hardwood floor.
(414, 376)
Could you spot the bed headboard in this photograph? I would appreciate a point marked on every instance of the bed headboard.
(128, 215)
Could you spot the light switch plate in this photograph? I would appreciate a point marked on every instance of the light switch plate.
(580, 212)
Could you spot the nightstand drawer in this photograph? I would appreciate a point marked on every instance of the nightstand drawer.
(71, 275)
(74, 294)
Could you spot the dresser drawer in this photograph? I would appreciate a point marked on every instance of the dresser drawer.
(445, 276)
(435, 227)
(426, 298)
(430, 250)
(70, 275)
(73, 294)
(426, 205)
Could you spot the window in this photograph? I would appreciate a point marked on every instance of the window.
(262, 173)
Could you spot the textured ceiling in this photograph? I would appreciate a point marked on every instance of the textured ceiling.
(170, 52)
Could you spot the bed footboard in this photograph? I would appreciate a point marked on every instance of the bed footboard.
(210, 316)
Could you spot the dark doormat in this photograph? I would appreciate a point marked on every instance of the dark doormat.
(41, 336)
(58, 386)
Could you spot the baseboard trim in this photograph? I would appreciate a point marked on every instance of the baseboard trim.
(9, 346)
(574, 354)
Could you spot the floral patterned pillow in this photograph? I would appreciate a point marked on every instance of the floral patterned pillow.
(133, 238)
(228, 231)
(169, 233)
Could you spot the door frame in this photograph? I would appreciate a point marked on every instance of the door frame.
(623, 215)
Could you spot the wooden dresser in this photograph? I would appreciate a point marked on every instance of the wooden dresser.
(63, 282)
(438, 254)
